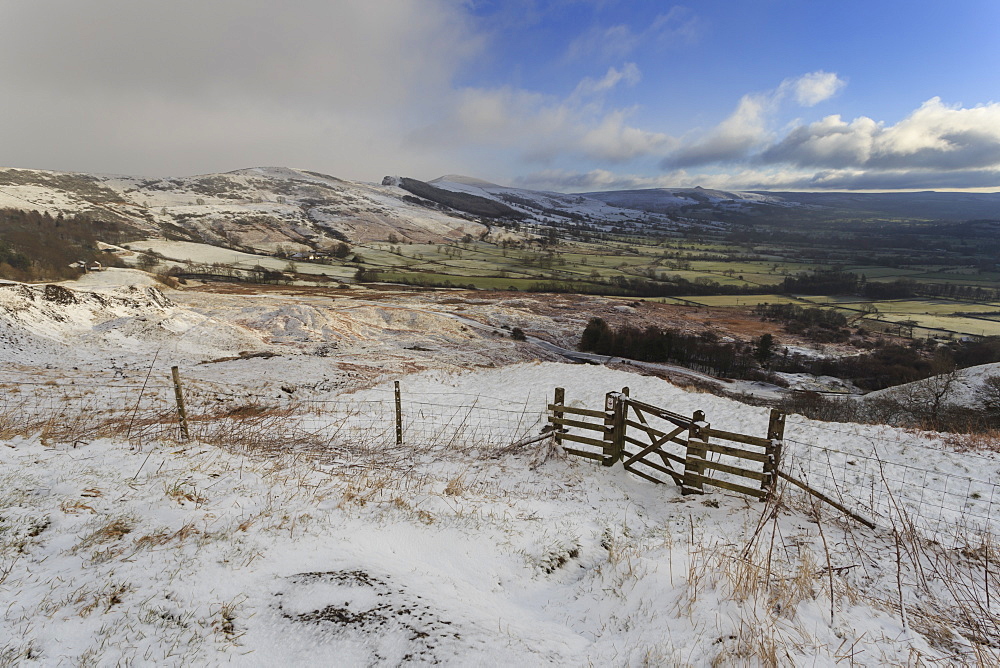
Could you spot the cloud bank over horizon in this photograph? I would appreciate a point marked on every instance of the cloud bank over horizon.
(557, 94)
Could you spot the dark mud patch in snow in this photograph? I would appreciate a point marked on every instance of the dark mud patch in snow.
(398, 626)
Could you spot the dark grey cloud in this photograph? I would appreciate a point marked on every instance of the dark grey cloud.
(171, 87)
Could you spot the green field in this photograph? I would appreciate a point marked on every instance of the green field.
(743, 300)
(704, 271)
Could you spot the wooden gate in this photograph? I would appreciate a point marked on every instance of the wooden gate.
(662, 446)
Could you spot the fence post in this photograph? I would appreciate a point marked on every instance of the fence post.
(775, 433)
(612, 408)
(693, 470)
(560, 400)
(621, 412)
(179, 396)
(399, 415)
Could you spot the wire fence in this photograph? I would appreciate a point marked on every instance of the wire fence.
(952, 509)
(945, 506)
(330, 426)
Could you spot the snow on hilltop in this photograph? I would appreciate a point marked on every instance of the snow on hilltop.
(259, 207)
(674, 199)
(545, 206)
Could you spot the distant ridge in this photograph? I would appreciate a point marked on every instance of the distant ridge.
(264, 208)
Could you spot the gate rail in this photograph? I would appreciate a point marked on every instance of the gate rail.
(684, 450)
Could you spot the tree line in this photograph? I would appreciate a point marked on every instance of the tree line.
(704, 352)
(41, 247)
(884, 366)
(833, 282)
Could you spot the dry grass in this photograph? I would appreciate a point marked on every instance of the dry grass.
(162, 538)
(76, 507)
(984, 441)
(106, 531)
(181, 492)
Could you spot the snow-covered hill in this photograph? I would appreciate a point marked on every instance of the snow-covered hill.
(259, 208)
(963, 388)
(550, 206)
(264, 208)
(688, 200)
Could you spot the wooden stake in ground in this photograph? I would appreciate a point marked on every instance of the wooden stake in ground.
(179, 395)
(559, 400)
(399, 415)
(612, 428)
(775, 434)
(696, 453)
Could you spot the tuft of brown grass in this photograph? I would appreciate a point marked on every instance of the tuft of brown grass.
(151, 541)
(107, 532)
(181, 492)
(456, 485)
(107, 598)
(75, 507)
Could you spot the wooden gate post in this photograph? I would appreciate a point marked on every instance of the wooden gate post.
(775, 434)
(621, 412)
(693, 470)
(614, 422)
(560, 400)
(399, 415)
(179, 396)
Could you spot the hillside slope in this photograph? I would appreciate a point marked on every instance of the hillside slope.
(258, 208)
(455, 550)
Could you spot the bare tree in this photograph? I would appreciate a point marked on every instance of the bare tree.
(925, 401)
(988, 394)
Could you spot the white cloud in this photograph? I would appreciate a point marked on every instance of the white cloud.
(542, 128)
(731, 139)
(679, 26)
(815, 87)
(595, 180)
(830, 142)
(747, 128)
(612, 140)
(609, 43)
(936, 146)
(941, 136)
(935, 137)
(629, 73)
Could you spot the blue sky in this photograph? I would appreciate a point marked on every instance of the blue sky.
(558, 94)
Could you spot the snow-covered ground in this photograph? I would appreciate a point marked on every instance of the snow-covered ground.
(960, 388)
(284, 533)
(180, 253)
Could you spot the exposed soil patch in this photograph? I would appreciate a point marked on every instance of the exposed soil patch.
(401, 626)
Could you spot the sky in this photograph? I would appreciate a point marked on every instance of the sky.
(566, 95)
